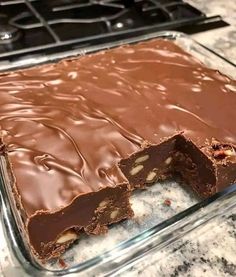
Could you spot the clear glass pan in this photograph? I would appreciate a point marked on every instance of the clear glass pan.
(155, 225)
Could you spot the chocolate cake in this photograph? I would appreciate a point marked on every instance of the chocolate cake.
(79, 135)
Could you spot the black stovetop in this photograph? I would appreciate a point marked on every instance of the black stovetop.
(46, 26)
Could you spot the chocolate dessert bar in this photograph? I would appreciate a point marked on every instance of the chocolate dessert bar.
(79, 135)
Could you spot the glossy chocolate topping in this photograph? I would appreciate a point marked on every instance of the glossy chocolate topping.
(67, 125)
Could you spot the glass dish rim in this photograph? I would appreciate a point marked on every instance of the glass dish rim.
(15, 241)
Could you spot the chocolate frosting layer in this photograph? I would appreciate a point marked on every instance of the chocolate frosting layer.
(67, 125)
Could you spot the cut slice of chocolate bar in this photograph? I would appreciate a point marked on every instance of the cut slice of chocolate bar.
(81, 134)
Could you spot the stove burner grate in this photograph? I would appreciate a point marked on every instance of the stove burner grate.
(8, 33)
(42, 26)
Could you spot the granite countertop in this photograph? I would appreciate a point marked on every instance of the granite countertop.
(209, 250)
(222, 40)
(206, 251)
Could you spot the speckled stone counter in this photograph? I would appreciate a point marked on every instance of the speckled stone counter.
(210, 250)
(206, 251)
(222, 40)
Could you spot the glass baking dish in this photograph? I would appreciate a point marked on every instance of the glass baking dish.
(164, 212)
